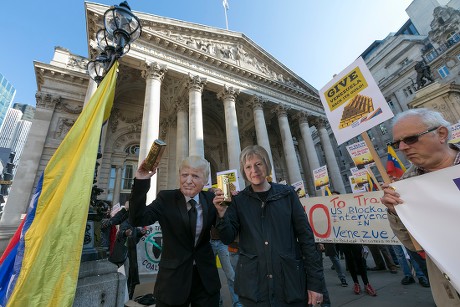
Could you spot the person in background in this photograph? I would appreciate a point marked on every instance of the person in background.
(187, 269)
(222, 251)
(278, 263)
(422, 136)
(331, 252)
(382, 263)
(224, 254)
(127, 238)
(356, 263)
(403, 261)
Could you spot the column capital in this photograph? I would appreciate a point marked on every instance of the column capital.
(229, 92)
(180, 105)
(46, 100)
(196, 83)
(257, 102)
(281, 110)
(154, 70)
(319, 122)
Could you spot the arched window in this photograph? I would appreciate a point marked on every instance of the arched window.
(129, 168)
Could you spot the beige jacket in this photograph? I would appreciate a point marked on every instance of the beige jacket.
(444, 294)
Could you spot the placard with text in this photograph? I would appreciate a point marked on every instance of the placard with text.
(353, 102)
(349, 218)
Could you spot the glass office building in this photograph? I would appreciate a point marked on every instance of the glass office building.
(7, 92)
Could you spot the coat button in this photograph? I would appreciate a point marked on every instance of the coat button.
(270, 276)
(266, 242)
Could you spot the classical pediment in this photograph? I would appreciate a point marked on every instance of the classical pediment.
(223, 49)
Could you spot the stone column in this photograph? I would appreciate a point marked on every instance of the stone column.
(332, 166)
(117, 187)
(228, 96)
(23, 183)
(308, 143)
(153, 74)
(196, 140)
(288, 144)
(118, 160)
(309, 185)
(181, 133)
(92, 87)
(257, 103)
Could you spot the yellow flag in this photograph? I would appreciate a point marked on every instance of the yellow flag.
(53, 243)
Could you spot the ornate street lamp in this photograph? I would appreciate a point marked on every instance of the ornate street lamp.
(121, 28)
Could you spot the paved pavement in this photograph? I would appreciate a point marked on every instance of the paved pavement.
(390, 291)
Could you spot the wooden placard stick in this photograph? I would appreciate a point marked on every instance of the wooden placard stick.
(378, 162)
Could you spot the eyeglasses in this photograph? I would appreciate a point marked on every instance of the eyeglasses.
(409, 140)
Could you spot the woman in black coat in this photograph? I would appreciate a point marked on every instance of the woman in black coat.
(278, 264)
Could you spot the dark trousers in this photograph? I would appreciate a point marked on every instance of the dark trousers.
(355, 262)
(381, 263)
(198, 296)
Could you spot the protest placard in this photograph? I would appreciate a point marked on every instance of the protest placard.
(455, 130)
(353, 102)
(360, 154)
(349, 218)
(320, 177)
(299, 187)
(354, 187)
(360, 176)
(430, 212)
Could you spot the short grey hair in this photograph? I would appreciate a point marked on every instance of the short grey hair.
(249, 152)
(428, 117)
(198, 163)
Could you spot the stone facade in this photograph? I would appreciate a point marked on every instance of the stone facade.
(204, 91)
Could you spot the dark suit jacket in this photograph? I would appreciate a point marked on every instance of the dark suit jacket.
(174, 279)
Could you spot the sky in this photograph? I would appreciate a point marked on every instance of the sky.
(313, 38)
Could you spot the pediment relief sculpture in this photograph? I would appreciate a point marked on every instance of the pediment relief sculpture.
(235, 53)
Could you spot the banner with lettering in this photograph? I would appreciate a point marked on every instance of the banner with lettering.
(431, 213)
(353, 102)
(149, 250)
(349, 218)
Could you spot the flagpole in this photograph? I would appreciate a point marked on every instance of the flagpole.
(225, 4)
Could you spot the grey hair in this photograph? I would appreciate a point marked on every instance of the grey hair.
(249, 152)
(198, 163)
(428, 117)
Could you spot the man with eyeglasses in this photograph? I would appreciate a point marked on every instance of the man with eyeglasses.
(422, 135)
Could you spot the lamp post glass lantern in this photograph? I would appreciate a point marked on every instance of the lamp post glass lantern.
(121, 28)
(122, 24)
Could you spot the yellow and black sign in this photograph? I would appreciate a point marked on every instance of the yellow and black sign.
(6, 181)
(345, 89)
